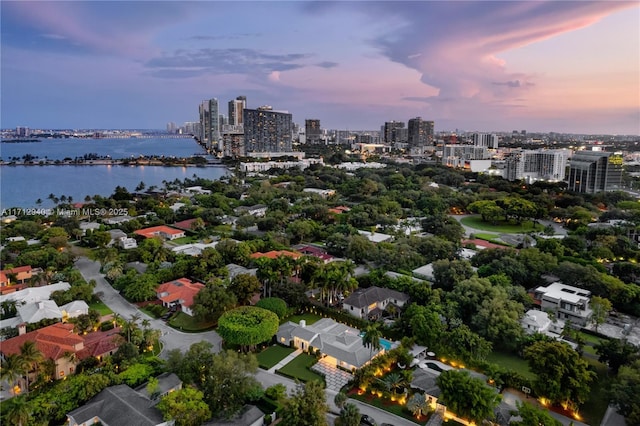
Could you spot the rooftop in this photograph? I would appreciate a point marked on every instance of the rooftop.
(560, 291)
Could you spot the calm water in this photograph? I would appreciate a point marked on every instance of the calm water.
(21, 186)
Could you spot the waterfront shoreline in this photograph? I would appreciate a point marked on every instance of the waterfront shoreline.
(152, 163)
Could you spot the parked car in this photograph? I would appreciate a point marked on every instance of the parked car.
(367, 421)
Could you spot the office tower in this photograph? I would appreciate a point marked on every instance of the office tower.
(266, 130)
(595, 171)
(312, 131)
(210, 123)
(485, 140)
(420, 132)
(171, 127)
(393, 132)
(236, 106)
(533, 165)
(22, 131)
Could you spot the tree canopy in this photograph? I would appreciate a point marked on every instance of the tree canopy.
(248, 326)
(466, 396)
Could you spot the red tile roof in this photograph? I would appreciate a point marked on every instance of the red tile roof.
(155, 230)
(100, 343)
(184, 224)
(274, 254)
(53, 341)
(181, 290)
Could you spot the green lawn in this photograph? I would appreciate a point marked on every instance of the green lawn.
(511, 362)
(502, 227)
(591, 338)
(101, 307)
(273, 355)
(309, 318)
(184, 322)
(185, 240)
(299, 368)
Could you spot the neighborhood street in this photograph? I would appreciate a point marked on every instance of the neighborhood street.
(173, 339)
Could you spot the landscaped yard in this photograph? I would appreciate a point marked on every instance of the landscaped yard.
(309, 318)
(299, 368)
(273, 355)
(185, 240)
(593, 410)
(101, 307)
(502, 227)
(511, 362)
(184, 322)
(391, 407)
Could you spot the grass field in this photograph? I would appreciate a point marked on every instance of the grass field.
(273, 355)
(187, 323)
(502, 227)
(309, 318)
(101, 307)
(511, 362)
(299, 368)
(593, 410)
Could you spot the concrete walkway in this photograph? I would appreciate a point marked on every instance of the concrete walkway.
(285, 361)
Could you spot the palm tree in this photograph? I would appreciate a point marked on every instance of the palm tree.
(18, 411)
(349, 416)
(12, 368)
(371, 338)
(145, 323)
(31, 356)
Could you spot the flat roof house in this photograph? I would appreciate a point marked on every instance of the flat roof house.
(568, 302)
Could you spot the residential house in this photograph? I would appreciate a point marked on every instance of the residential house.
(197, 190)
(116, 220)
(58, 342)
(339, 209)
(324, 193)
(117, 405)
(235, 270)
(249, 415)
(194, 249)
(127, 243)
(258, 210)
(274, 254)
(116, 234)
(376, 237)
(88, 226)
(180, 292)
(339, 344)
(567, 302)
(31, 313)
(535, 321)
(167, 383)
(310, 250)
(370, 303)
(161, 231)
(16, 276)
(34, 294)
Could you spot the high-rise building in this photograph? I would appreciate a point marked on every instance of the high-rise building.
(485, 140)
(420, 132)
(210, 123)
(312, 130)
(532, 165)
(266, 130)
(171, 127)
(236, 106)
(595, 171)
(393, 132)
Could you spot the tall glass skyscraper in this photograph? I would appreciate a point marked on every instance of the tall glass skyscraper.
(266, 130)
(210, 123)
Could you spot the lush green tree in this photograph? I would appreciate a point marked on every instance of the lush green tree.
(462, 342)
(371, 337)
(307, 406)
(186, 406)
(534, 416)
(247, 326)
(625, 391)
(349, 416)
(275, 305)
(600, 308)
(143, 288)
(488, 210)
(466, 396)
(18, 411)
(425, 324)
(616, 353)
(448, 273)
(340, 399)
(135, 374)
(417, 404)
(32, 357)
(563, 375)
(12, 368)
(212, 301)
(244, 287)
(277, 392)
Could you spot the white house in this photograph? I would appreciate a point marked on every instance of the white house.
(376, 237)
(567, 302)
(127, 243)
(339, 344)
(324, 193)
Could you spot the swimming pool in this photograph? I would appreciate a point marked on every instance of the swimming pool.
(386, 344)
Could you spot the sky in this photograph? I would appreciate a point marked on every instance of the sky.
(562, 66)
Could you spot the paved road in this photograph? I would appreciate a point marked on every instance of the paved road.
(171, 338)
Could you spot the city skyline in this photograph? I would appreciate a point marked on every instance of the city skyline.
(571, 67)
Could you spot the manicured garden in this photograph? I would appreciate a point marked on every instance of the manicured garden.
(386, 405)
(184, 322)
(502, 226)
(273, 355)
(300, 368)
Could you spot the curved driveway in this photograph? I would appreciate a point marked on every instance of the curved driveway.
(171, 338)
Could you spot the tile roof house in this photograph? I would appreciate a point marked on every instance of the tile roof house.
(162, 231)
(274, 254)
(117, 405)
(370, 303)
(339, 344)
(35, 294)
(310, 250)
(18, 276)
(57, 341)
(180, 292)
(167, 383)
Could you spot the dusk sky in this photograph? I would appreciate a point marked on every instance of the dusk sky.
(565, 66)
